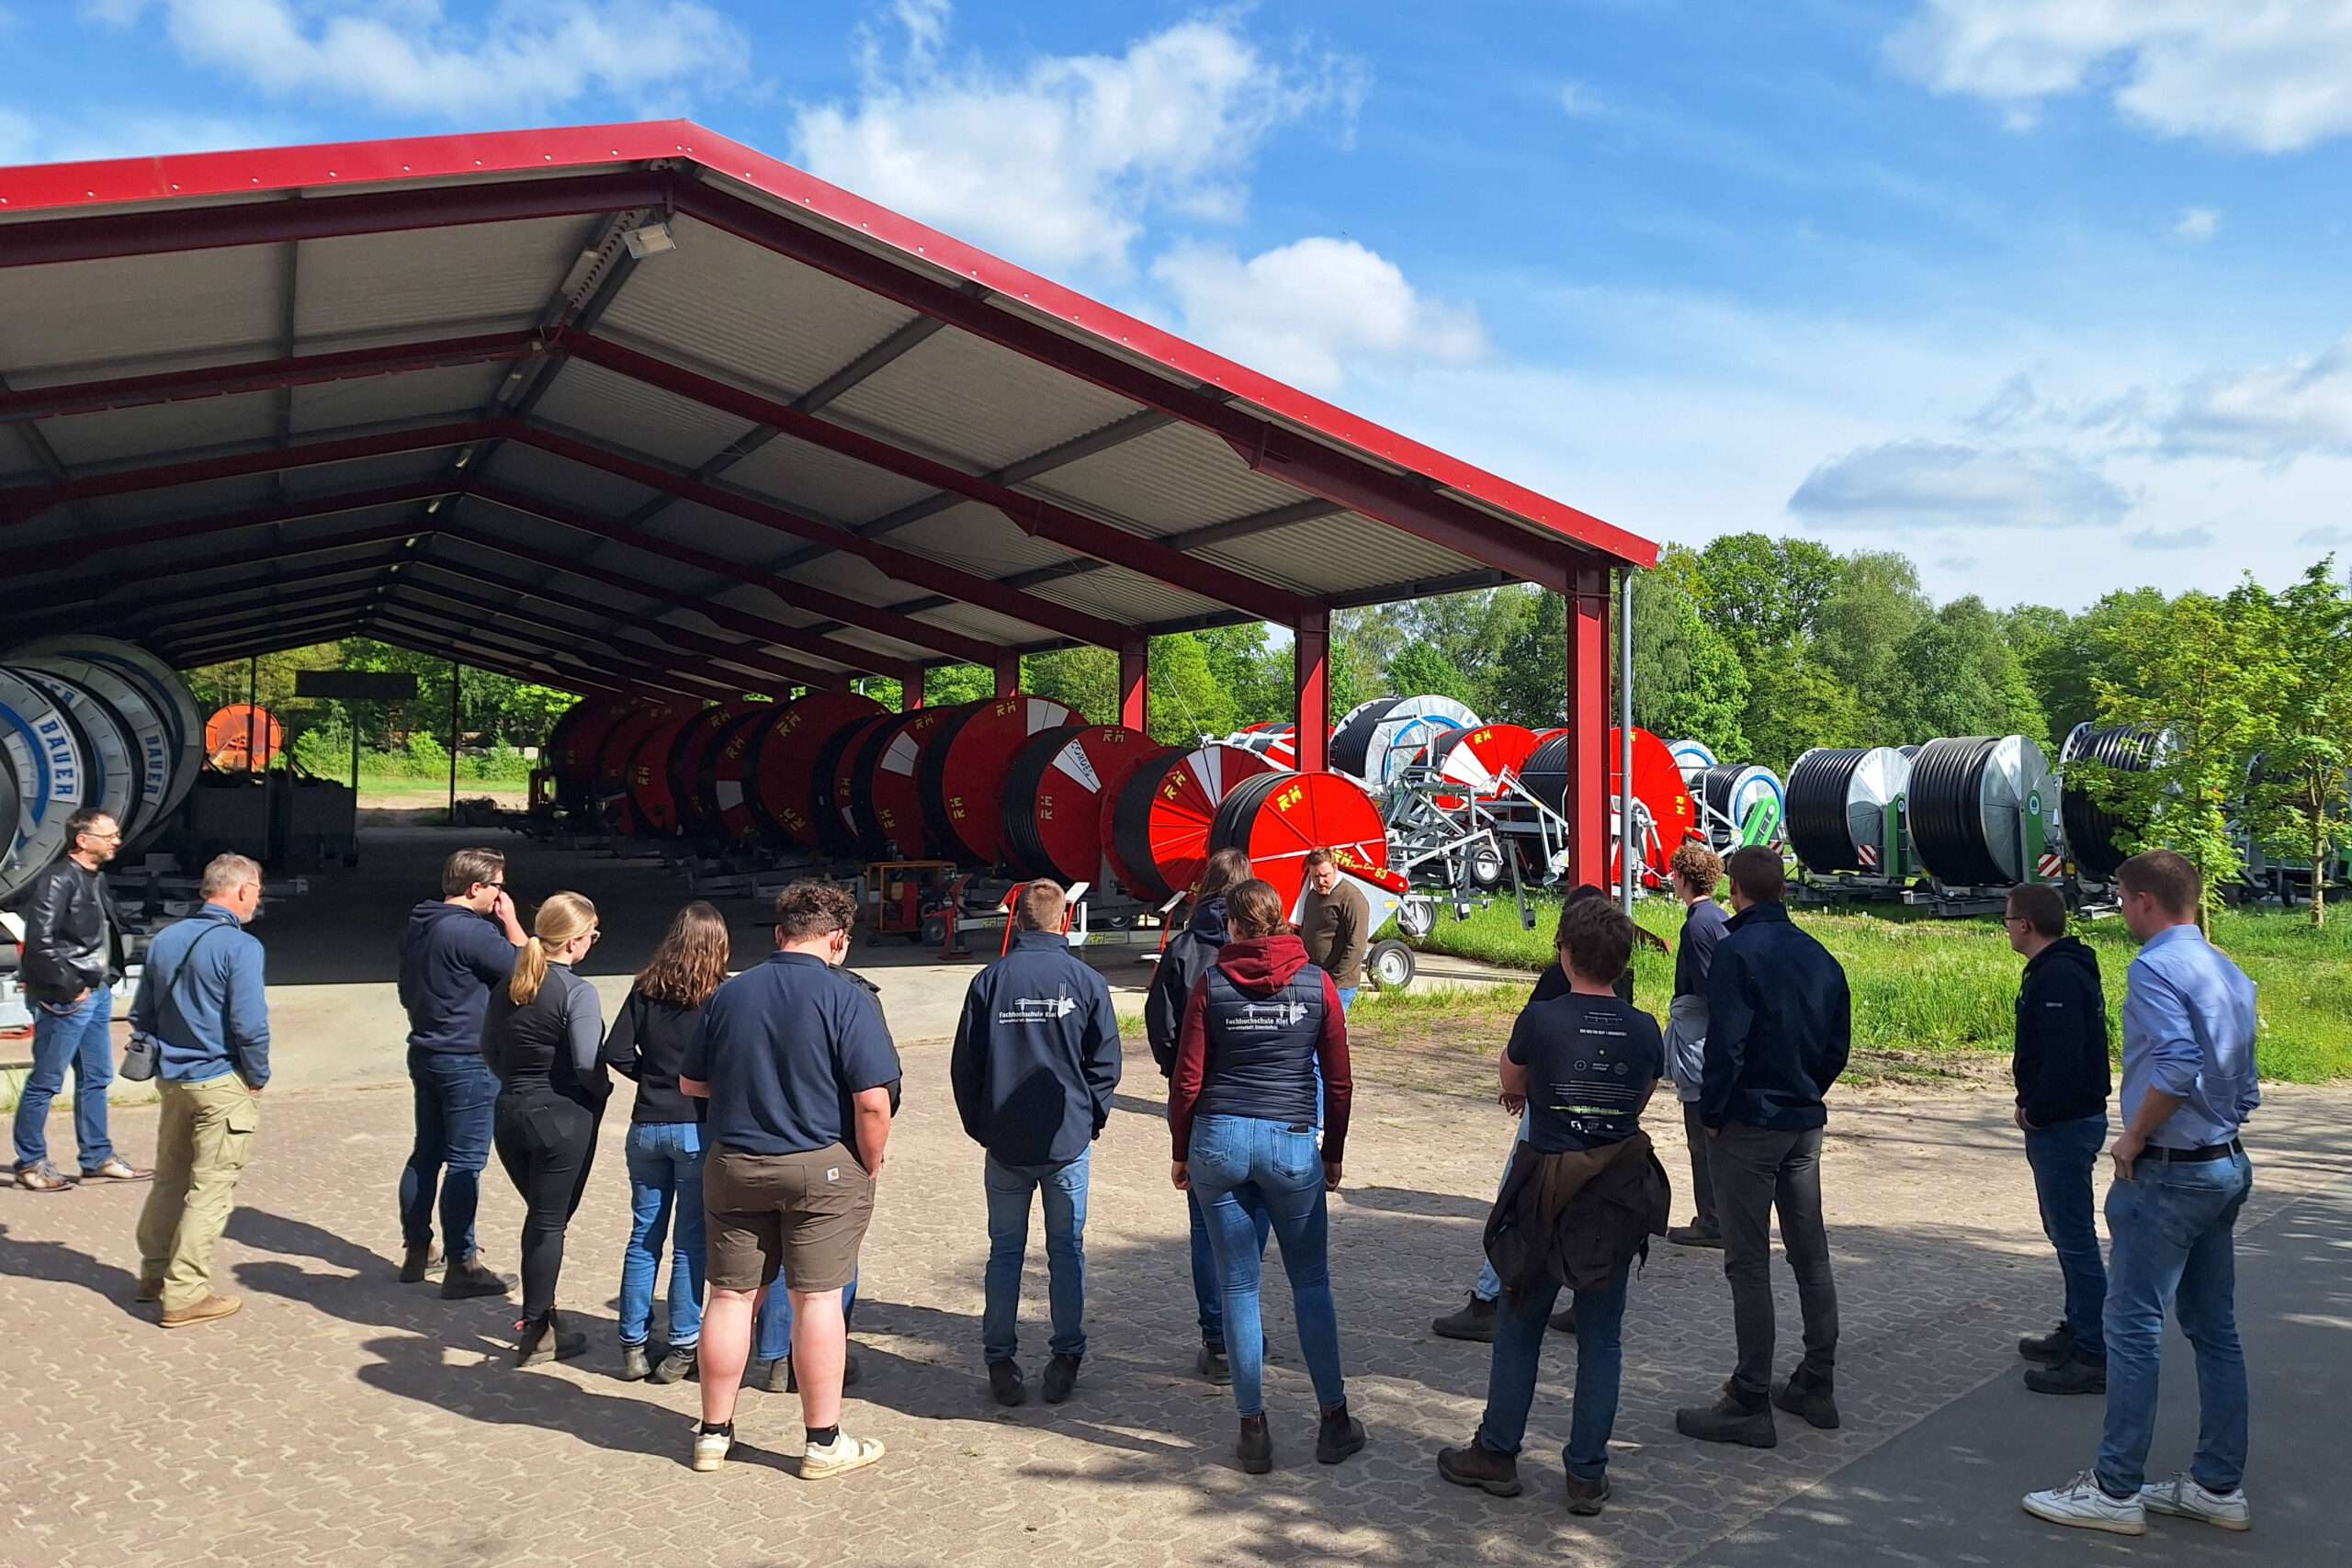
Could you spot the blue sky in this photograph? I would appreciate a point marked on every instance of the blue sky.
(2050, 294)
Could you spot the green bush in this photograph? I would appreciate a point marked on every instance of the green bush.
(425, 757)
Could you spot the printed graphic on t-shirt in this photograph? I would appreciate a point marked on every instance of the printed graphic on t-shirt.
(1592, 1060)
(1029, 1011)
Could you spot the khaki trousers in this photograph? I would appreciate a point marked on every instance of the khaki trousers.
(201, 1147)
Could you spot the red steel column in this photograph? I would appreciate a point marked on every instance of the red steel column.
(1008, 674)
(1134, 686)
(911, 691)
(1311, 645)
(1586, 802)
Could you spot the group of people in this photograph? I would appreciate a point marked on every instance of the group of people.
(765, 1101)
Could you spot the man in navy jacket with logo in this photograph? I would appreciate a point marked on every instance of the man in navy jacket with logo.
(1779, 1028)
(1037, 1060)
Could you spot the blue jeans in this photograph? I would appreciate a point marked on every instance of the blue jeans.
(1490, 1285)
(1282, 1161)
(79, 1033)
(455, 1099)
(2063, 1156)
(1347, 996)
(1208, 1285)
(773, 1329)
(1521, 1322)
(664, 1181)
(1009, 1190)
(2173, 1229)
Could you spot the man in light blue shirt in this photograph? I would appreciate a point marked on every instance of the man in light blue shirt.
(201, 996)
(2180, 1178)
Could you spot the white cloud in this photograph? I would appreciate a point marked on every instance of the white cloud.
(87, 134)
(524, 57)
(2197, 223)
(1944, 484)
(2272, 413)
(1305, 311)
(2194, 538)
(2275, 75)
(1576, 100)
(2327, 538)
(1060, 165)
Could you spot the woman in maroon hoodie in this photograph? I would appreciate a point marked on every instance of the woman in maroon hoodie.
(1241, 1106)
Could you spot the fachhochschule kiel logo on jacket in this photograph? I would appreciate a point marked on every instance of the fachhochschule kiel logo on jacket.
(1025, 1011)
(1266, 1015)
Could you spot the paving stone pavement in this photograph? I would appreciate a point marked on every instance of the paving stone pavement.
(344, 1419)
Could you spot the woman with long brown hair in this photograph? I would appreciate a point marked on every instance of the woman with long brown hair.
(542, 1038)
(648, 1042)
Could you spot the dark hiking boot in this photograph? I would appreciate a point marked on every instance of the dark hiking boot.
(1730, 1419)
(778, 1377)
(1061, 1377)
(472, 1277)
(419, 1261)
(677, 1364)
(2048, 1349)
(1584, 1497)
(1476, 1465)
(635, 1366)
(1338, 1436)
(1564, 1320)
(1696, 1234)
(1809, 1398)
(1255, 1448)
(546, 1339)
(1476, 1321)
(2076, 1375)
(1211, 1363)
(1004, 1382)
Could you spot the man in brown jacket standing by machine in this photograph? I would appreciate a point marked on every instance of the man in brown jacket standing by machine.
(1335, 924)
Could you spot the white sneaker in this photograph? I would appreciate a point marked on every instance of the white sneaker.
(843, 1454)
(711, 1448)
(2084, 1505)
(2183, 1498)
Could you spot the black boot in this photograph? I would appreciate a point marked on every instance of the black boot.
(1803, 1394)
(2076, 1375)
(471, 1277)
(546, 1339)
(676, 1364)
(1061, 1377)
(1476, 1465)
(2048, 1349)
(1730, 1419)
(1256, 1448)
(1476, 1321)
(1584, 1497)
(1211, 1364)
(635, 1366)
(1004, 1382)
(419, 1261)
(1338, 1436)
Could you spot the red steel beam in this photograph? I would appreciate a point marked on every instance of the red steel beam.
(262, 375)
(20, 503)
(54, 607)
(256, 616)
(1585, 798)
(465, 638)
(759, 626)
(1033, 514)
(442, 642)
(1008, 672)
(106, 235)
(850, 612)
(904, 565)
(1135, 685)
(1310, 654)
(303, 630)
(59, 553)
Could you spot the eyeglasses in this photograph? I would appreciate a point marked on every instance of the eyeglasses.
(113, 837)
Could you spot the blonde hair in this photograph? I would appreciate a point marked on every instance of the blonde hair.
(562, 918)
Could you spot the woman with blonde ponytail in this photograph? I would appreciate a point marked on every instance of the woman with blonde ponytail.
(543, 1038)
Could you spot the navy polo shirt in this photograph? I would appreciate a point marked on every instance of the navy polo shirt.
(784, 1046)
(1590, 1062)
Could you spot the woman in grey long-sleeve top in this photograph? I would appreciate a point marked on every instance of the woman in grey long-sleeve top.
(543, 1037)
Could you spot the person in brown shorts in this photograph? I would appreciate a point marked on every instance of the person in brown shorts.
(800, 1070)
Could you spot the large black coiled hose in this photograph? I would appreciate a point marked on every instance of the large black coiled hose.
(1947, 812)
(1546, 776)
(1023, 778)
(1715, 784)
(1819, 787)
(1352, 746)
(2091, 828)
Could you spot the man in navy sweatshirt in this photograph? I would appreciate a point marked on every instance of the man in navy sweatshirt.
(2063, 1083)
(1037, 1061)
(457, 947)
(200, 997)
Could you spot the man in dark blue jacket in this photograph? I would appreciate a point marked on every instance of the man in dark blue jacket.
(2063, 1083)
(1779, 1028)
(1037, 1061)
(455, 948)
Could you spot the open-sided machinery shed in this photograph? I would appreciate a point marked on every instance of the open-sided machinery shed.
(634, 407)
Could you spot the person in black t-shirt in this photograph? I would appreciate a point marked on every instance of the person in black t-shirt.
(1584, 1064)
(648, 1044)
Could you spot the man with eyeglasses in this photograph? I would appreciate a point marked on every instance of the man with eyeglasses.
(73, 958)
(2063, 1083)
(455, 948)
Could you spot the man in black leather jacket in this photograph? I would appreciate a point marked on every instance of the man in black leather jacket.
(73, 957)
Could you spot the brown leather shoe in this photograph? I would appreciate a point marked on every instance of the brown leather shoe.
(149, 1291)
(204, 1311)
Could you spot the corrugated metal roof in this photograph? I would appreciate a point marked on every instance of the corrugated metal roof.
(436, 282)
